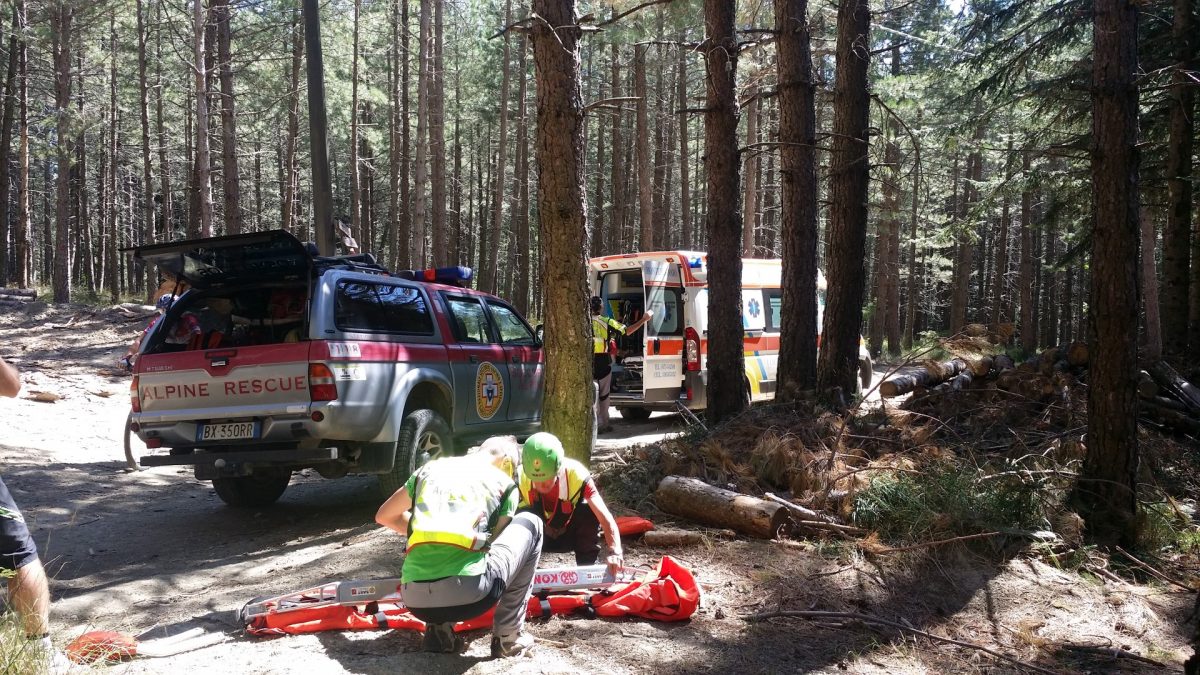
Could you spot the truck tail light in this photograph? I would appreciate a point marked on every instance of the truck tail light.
(691, 349)
(321, 385)
(134, 401)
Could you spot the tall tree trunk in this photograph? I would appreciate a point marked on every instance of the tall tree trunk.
(291, 172)
(685, 197)
(1001, 311)
(148, 226)
(230, 182)
(1177, 234)
(1028, 272)
(488, 279)
(1153, 343)
(619, 175)
(798, 200)
(726, 364)
(845, 241)
(355, 115)
(21, 234)
(437, 143)
(112, 205)
(404, 218)
(563, 216)
(890, 297)
(915, 272)
(768, 233)
(421, 173)
(1050, 286)
(750, 184)
(958, 288)
(597, 225)
(61, 17)
(202, 169)
(1106, 493)
(6, 130)
(395, 57)
(521, 217)
(659, 213)
(81, 234)
(164, 168)
(645, 180)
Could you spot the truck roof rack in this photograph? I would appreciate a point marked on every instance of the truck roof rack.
(357, 262)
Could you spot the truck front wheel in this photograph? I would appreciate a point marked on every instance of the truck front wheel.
(424, 437)
(262, 488)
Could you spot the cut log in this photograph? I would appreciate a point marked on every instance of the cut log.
(1174, 419)
(13, 303)
(1001, 363)
(930, 374)
(1172, 383)
(980, 366)
(668, 538)
(700, 502)
(18, 292)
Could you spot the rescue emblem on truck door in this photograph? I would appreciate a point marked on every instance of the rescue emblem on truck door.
(489, 390)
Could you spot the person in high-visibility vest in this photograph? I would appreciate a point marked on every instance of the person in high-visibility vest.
(561, 491)
(601, 360)
(468, 549)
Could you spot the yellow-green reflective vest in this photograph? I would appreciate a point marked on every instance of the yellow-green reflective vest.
(600, 326)
(455, 502)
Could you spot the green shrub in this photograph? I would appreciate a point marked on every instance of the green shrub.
(944, 501)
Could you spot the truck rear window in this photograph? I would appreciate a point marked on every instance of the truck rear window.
(380, 307)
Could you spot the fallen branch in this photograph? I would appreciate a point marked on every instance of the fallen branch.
(867, 618)
(807, 513)
(1114, 652)
(835, 527)
(925, 544)
(1155, 573)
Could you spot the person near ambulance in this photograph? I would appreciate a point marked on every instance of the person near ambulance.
(602, 326)
(563, 494)
(468, 549)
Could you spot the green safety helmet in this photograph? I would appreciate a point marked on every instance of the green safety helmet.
(541, 456)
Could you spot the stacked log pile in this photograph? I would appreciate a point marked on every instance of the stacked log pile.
(16, 297)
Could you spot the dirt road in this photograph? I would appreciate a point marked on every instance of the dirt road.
(156, 552)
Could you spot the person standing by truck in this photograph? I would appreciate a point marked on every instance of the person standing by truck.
(468, 549)
(601, 358)
(28, 588)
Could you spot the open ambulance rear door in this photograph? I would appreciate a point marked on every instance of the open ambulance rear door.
(663, 364)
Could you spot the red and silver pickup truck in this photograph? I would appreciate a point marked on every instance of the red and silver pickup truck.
(277, 359)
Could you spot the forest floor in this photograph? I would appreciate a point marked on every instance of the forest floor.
(156, 552)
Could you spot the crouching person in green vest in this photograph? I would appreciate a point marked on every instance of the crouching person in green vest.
(563, 494)
(468, 549)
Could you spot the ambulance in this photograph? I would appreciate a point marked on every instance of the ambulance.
(664, 365)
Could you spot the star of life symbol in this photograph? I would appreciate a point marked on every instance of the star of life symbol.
(754, 308)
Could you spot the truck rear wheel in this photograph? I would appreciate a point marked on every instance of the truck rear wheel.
(262, 488)
(424, 436)
(634, 414)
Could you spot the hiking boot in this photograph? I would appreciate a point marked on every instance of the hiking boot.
(440, 638)
(520, 646)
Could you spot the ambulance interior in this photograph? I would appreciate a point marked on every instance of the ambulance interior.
(625, 295)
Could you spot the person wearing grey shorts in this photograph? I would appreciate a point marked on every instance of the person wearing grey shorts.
(468, 550)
